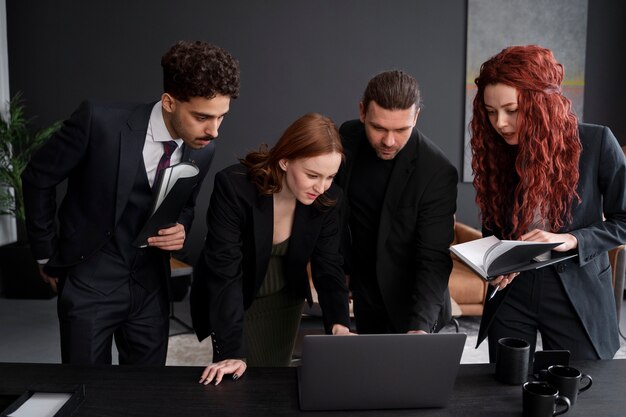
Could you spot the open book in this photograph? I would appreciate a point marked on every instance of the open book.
(491, 257)
(172, 189)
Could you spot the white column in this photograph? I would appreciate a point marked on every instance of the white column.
(5, 95)
(8, 231)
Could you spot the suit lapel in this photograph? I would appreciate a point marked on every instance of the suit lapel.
(402, 170)
(351, 149)
(263, 221)
(132, 139)
(306, 227)
(299, 243)
(302, 237)
(188, 155)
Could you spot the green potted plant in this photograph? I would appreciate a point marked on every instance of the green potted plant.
(17, 144)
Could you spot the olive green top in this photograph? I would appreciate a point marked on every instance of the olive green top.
(275, 279)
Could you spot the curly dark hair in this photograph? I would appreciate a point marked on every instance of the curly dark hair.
(199, 69)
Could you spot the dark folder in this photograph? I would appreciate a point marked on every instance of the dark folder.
(172, 191)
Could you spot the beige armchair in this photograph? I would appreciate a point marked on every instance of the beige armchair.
(467, 288)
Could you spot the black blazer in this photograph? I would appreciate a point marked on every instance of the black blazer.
(587, 279)
(98, 150)
(236, 255)
(416, 228)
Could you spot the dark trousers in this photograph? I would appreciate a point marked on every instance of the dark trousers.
(89, 319)
(537, 302)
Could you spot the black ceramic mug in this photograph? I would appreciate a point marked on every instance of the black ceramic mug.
(568, 381)
(512, 359)
(540, 399)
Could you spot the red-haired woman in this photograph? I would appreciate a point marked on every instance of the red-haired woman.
(268, 216)
(542, 176)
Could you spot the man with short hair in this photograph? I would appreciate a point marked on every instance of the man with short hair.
(111, 154)
(399, 215)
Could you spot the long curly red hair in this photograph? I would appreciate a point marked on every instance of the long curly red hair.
(540, 175)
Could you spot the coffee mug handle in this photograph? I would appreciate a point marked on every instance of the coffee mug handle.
(565, 402)
(586, 387)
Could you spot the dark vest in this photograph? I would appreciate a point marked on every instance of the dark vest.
(118, 260)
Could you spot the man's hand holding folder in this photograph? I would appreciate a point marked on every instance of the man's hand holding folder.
(170, 238)
(171, 192)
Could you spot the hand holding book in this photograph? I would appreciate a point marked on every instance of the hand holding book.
(568, 240)
(498, 283)
(171, 192)
(491, 257)
(169, 238)
(569, 243)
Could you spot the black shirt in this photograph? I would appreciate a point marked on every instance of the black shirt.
(366, 193)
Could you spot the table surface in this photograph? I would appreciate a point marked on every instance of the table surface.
(174, 391)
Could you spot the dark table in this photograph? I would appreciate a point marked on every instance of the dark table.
(174, 391)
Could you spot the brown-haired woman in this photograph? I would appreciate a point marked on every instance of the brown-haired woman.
(269, 215)
(542, 176)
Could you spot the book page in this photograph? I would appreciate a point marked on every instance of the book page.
(503, 247)
(472, 252)
(182, 170)
(169, 177)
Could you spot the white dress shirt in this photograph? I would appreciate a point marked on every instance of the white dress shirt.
(156, 134)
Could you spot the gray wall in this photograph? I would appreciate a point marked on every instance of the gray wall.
(296, 56)
(605, 82)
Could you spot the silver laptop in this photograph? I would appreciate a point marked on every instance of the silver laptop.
(378, 371)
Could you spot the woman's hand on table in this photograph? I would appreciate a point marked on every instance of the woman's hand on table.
(216, 371)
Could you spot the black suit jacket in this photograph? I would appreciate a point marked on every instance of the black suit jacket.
(236, 255)
(98, 150)
(416, 228)
(587, 279)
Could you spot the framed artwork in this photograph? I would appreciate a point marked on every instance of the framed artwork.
(492, 25)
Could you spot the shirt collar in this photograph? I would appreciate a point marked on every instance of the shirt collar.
(157, 128)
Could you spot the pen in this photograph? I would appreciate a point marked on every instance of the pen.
(494, 293)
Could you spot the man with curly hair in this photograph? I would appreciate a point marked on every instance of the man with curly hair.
(110, 155)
